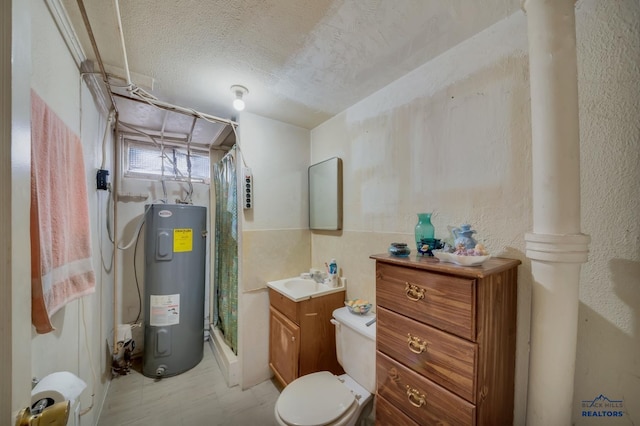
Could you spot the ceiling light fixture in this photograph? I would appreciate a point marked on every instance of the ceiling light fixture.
(239, 92)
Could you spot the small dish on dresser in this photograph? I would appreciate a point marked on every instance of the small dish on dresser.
(399, 250)
(461, 260)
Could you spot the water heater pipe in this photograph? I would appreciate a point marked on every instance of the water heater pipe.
(124, 49)
(94, 45)
(116, 177)
(105, 79)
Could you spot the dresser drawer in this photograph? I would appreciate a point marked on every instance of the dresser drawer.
(388, 415)
(442, 301)
(420, 398)
(448, 360)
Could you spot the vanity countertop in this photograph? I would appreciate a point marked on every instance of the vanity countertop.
(298, 289)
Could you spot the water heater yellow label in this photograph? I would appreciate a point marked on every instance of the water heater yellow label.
(182, 240)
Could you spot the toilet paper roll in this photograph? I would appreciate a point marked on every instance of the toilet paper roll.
(58, 387)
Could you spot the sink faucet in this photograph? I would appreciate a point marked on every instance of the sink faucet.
(318, 276)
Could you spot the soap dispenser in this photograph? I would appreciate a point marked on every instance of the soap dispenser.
(333, 273)
(333, 267)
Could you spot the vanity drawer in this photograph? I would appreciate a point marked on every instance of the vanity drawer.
(448, 360)
(388, 415)
(443, 301)
(420, 398)
(285, 305)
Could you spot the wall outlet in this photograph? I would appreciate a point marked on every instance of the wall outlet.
(102, 179)
(247, 200)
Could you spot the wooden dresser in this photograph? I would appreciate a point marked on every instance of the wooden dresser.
(446, 338)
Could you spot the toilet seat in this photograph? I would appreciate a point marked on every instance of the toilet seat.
(315, 399)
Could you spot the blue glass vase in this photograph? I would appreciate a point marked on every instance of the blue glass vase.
(424, 229)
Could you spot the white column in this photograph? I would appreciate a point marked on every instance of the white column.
(556, 247)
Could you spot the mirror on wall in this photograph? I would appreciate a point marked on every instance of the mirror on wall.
(325, 195)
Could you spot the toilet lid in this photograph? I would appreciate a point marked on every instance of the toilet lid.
(313, 400)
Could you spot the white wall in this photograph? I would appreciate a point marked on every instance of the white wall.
(454, 137)
(56, 79)
(15, 290)
(608, 352)
(275, 241)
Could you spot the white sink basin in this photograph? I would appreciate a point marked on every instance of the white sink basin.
(298, 289)
(301, 285)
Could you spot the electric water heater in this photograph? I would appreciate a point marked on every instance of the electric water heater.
(174, 280)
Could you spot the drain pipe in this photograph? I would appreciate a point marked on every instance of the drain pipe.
(556, 246)
(116, 269)
(105, 79)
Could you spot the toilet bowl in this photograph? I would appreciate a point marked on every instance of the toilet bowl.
(325, 399)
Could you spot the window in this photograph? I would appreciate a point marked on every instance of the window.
(144, 160)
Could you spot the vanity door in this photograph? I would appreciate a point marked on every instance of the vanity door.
(284, 347)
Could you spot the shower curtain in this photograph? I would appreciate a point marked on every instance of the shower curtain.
(226, 250)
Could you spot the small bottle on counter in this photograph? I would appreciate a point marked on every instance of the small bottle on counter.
(333, 267)
(333, 280)
(333, 273)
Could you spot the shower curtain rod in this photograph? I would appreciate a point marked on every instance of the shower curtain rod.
(229, 152)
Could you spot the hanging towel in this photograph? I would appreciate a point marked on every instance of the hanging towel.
(61, 262)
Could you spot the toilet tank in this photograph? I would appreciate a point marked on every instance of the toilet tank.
(356, 346)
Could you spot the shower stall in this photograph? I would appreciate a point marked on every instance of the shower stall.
(224, 328)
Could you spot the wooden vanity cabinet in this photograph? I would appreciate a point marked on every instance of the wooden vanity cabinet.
(301, 337)
(446, 337)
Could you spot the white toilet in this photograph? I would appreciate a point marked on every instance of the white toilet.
(324, 399)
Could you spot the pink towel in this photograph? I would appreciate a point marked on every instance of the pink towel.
(61, 262)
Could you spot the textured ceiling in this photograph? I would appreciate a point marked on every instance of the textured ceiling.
(302, 61)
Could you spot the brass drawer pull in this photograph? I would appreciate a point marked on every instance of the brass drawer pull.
(415, 398)
(414, 293)
(416, 345)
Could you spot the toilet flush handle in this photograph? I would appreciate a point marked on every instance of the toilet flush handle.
(334, 322)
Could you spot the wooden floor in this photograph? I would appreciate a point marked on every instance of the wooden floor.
(199, 396)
